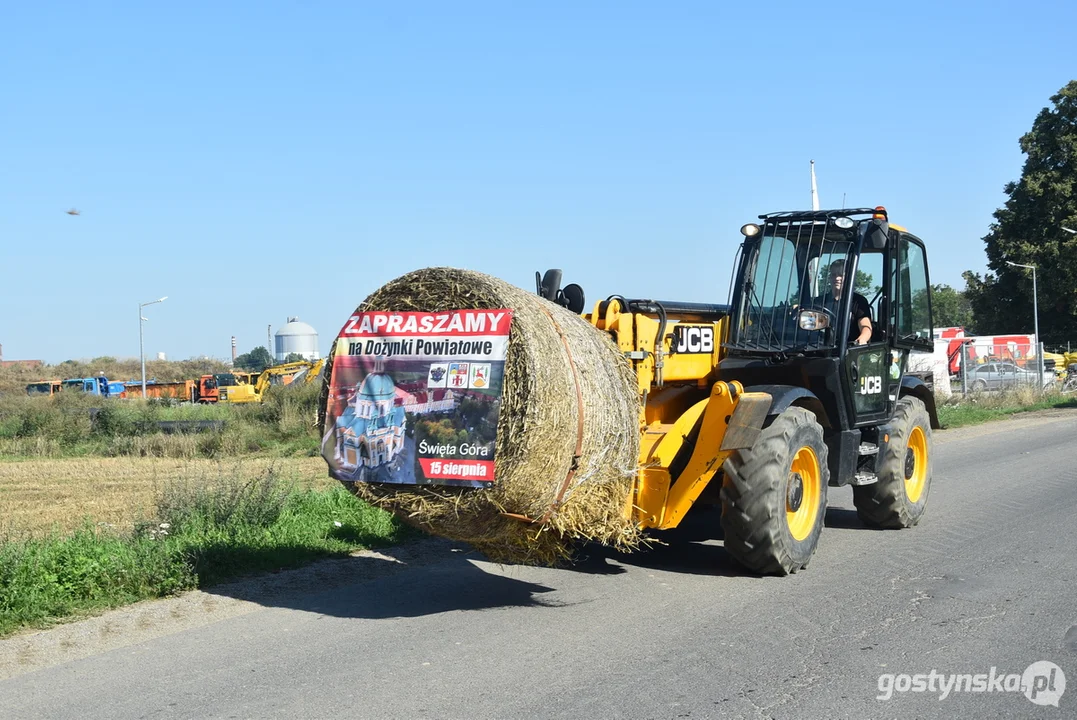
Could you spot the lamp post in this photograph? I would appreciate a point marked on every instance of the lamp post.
(141, 354)
(1035, 318)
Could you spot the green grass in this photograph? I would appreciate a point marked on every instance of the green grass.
(201, 535)
(979, 408)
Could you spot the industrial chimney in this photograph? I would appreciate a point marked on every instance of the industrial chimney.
(233, 348)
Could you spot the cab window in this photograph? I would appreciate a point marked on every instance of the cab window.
(912, 295)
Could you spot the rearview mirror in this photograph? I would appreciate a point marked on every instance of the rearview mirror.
(877, 234)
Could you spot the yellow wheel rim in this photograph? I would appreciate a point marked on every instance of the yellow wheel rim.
(802, 499)
(916, 464)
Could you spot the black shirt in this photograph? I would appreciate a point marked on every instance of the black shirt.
(858, 310)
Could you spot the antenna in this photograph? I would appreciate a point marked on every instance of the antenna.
(814, 189)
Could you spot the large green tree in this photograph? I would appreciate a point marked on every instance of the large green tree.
(1028, 230)
(950, 308)
(256, 360)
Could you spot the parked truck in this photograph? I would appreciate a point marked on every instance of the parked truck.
(179, 390)
(44, 387)
(99, 386)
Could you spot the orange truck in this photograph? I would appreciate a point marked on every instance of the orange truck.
(180, 390)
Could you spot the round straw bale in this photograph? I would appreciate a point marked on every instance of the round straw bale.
(544, 496)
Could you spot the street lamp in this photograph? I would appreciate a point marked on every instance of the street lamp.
(141, 354)
(1035, 317)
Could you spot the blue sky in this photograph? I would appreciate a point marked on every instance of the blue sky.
(254, 161)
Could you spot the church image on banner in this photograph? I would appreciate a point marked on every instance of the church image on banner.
(370, 431)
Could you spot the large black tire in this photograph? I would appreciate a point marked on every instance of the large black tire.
(899, 498)
(768, 529)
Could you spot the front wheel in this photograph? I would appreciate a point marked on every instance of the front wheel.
(898, 499)
(774, 495)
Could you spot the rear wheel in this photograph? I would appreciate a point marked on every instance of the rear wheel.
(899, 498)
(774, 495)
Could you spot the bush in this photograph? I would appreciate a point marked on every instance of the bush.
(227, 503)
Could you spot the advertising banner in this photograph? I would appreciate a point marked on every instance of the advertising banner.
(414, 397)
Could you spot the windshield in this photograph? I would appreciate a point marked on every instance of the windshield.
(42, 387)
(791, 266)
(226, 380)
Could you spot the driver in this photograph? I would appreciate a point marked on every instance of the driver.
(859, 311)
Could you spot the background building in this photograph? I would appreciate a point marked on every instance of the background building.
(296, 337)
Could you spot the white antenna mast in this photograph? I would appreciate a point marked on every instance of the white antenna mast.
(814, 189)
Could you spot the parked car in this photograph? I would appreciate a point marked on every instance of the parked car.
(997, 375)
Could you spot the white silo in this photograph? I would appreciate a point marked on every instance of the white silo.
(296, 337)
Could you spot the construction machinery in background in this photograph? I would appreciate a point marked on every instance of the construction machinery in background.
(214, 388)
(44, 387)
(207, 389)
(767, 400)
(99, 386)
(278, 375)
(178, 391)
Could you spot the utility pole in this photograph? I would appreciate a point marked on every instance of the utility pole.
(141, 353)
(1035, 319)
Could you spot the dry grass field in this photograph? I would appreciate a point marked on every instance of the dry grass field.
(41, 496)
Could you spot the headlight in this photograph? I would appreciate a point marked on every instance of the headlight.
(813, 320)
(749, 230)
(843, 222)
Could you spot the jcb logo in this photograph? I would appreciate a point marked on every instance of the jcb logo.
(697, 339)
(872, 385)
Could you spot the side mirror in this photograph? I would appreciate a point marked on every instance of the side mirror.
(877, 234)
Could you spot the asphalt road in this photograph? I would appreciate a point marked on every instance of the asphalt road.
(430, 630)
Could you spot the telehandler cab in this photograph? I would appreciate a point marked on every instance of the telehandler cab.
(767, 399)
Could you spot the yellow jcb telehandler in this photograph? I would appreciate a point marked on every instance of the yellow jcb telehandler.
(781, 394)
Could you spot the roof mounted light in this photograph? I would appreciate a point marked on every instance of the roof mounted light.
(749, 230)
(844, 223)
(880, 213)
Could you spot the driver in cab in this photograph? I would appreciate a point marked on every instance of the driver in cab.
(859, 311)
